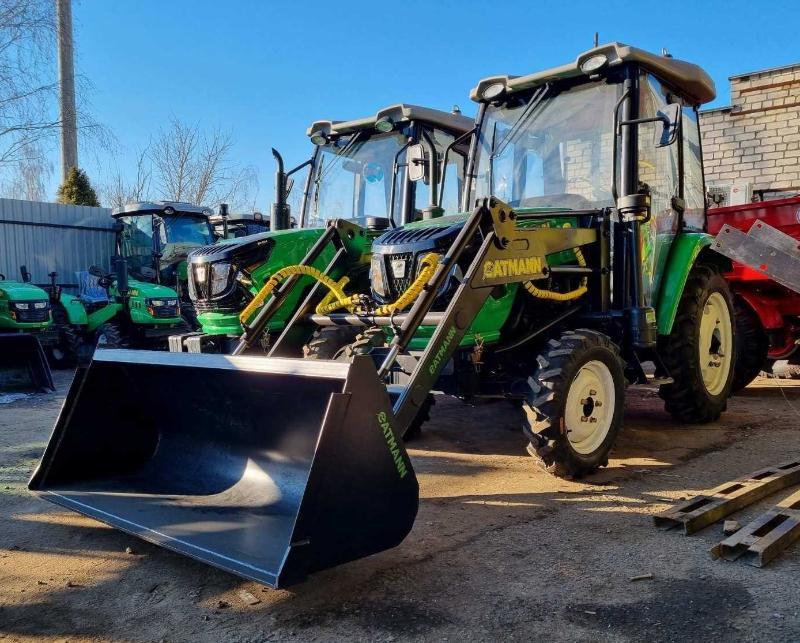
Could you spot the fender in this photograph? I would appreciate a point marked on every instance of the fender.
(683, 254)
(102, 315)
(76, 313)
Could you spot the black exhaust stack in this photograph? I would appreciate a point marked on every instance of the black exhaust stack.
(280, 209)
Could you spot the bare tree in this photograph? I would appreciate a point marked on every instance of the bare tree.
(196, 166)
(27, 82)
(27, 177)
(117, 190)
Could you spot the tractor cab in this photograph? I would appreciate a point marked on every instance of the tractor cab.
(156, 237)
(386, 167)
(236, 226)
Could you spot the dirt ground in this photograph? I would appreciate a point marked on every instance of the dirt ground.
(499, 550)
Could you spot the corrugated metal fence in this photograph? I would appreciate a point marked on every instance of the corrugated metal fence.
(49, 236)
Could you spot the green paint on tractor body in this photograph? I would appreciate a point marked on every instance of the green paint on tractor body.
(20, 300)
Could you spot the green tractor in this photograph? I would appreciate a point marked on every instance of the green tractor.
(114, 310)
(582, 267)
(25, 321)
(359, 172)
(155, 239)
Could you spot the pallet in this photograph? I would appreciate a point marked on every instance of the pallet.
(705, 509)
(758, 542)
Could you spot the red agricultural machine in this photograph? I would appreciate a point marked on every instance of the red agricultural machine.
(763, 239)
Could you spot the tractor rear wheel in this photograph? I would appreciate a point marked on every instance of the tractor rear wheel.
(574, 408)
(752, 346)
(110, 335)
(63, 354)
(701, 349)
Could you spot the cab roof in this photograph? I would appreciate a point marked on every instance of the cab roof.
(402, 112)
(159, 207)
(689, 79)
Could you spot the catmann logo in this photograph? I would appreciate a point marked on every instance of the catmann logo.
(513, 267)
(391, 442)
(437, 359)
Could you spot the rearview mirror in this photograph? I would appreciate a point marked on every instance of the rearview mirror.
(417, 165)
(670, 116)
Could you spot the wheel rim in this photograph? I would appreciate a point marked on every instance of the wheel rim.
(716, 343)
(590, 407)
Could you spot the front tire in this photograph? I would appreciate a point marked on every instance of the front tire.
(110, 335)
(752, 346)
(701, 349)
(66, 352)
(574, 409)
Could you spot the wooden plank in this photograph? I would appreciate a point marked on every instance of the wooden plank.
(760, 541)
(707, 508)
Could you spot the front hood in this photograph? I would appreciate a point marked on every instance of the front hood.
(145, 289)
(254, 249)
(20, 291)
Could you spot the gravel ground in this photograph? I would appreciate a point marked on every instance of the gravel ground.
(499, 549)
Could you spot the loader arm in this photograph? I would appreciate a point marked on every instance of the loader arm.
(506, 255)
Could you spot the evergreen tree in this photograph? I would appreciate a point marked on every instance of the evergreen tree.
(76, 189)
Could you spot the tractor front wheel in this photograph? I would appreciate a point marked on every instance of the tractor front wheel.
(64, 354)
(752, 346)
(700, 352)
(575, 405)
(110, 335)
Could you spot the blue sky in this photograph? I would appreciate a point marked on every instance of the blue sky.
(264, 70)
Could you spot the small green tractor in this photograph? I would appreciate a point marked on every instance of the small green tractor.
(358, 171)
(25, 327)
(113, 309)
(583, 267)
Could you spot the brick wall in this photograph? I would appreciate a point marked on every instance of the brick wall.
(757, 139)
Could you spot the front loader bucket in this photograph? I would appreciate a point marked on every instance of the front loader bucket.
(23, 365)
(265, 467)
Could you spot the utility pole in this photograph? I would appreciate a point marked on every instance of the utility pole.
(66, 78)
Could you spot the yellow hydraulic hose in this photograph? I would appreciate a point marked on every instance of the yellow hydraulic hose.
(561, 296)
(283, 274)
(428, 263)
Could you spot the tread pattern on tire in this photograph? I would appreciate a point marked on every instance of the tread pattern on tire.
(114, 337)
(327, 341)
(686, 398)
(68, 338)
(548, 389)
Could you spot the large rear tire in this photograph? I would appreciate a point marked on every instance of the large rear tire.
(574, 409)
(752, 346)
(64, 353)
(701, 350)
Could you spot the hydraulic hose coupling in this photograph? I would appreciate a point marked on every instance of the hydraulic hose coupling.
(634, 207)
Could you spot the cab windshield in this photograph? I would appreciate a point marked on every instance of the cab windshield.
(353, 178)
(550, 149)
(186, 229)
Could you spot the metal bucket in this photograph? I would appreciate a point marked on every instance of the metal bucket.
(265, 467)
(23, 365)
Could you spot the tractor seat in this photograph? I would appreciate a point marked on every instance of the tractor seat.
(89, 289)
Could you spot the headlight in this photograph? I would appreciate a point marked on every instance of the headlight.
(21, 306)
(39, 305)
(377, 282)
(172, 302)
(156, 302)
(219, 277)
